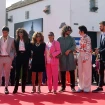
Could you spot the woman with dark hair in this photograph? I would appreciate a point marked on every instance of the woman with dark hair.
(38, 59)
(84, 61)
(23, 53)
(67, 62)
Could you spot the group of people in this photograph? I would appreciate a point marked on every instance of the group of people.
(52, 57)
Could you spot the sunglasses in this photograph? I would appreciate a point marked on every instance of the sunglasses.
(68, 30)
(38, 36)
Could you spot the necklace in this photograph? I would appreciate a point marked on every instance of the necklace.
(37, 44)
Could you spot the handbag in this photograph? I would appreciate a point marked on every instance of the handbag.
(59, 55)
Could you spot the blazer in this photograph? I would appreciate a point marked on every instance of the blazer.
(27, 48)
(102, 49)
(10, 47)
(54, 51)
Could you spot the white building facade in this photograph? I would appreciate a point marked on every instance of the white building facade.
(2, 14)
(72, 12)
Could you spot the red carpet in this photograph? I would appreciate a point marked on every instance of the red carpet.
(66, 98)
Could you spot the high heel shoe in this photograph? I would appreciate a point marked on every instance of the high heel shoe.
(33, 90)
(39, 90)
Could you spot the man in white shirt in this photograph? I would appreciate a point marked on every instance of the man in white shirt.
(7, 52)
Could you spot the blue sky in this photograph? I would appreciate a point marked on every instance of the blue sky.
(9, 2)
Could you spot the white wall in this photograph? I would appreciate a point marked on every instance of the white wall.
(68, 11)
(80, 13)
(2, 14)
(50, 22)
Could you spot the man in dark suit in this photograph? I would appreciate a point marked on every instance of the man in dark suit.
(102, 58)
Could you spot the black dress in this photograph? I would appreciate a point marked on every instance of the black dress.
(38, 58)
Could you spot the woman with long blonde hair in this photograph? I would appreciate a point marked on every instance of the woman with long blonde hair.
(38, 59)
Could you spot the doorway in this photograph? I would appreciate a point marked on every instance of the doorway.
(93, 36)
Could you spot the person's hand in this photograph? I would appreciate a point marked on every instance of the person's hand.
(94, 65)
(67, 52)
(30, 59)
(100, 51)
(77, 49)
(98, 72)
(11, 67)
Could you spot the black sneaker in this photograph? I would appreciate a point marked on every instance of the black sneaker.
(6, 91)
(97, 90)
(73, 90)
(62, 90)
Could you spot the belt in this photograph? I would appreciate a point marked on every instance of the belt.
(84, 51)
(21, 52)
(4, 55)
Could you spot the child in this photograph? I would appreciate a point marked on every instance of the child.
(97, 65)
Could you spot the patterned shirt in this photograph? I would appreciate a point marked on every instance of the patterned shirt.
(85, 46)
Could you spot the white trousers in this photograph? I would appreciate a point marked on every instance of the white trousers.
(85, 72)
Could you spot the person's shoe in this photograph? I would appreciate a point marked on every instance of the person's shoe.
(23, 91)
(73, 90)
(39, 90)
(79, 91)
(62, 90)
(6, 91)
(33, 90)
(86, 91)
(97, 90)
(55, 92)
(14, 92)
(49, 91)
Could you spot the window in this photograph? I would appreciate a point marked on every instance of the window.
(10, 19)
(27, 15)
(93, 5)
